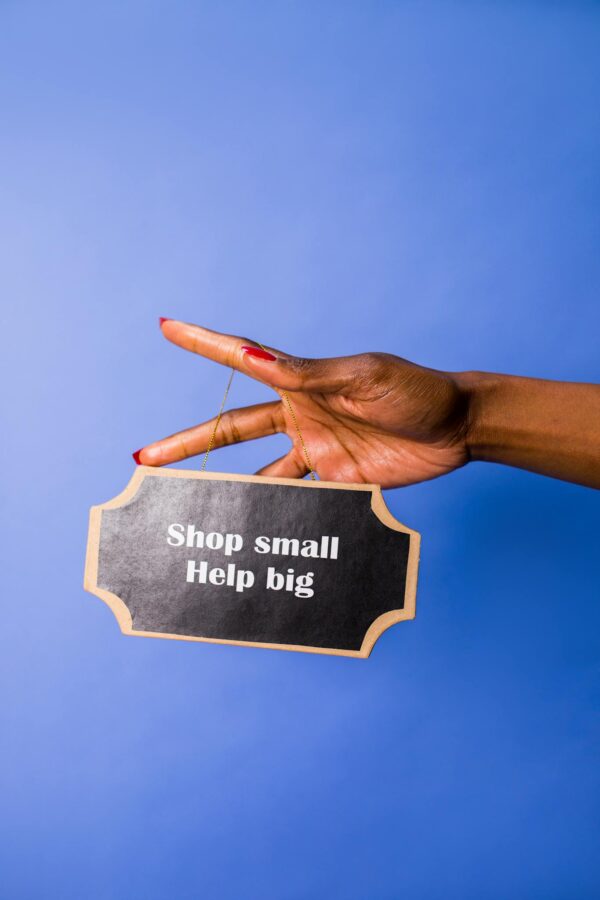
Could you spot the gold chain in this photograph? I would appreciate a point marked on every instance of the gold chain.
(285, 396)
(216, 425)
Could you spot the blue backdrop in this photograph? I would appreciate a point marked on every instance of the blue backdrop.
(329, 178)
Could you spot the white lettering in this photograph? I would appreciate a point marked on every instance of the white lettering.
(175, 532)
(193, 570)
(201, 574)
(214, 540)
(194, 538)
(245, 579)
(262, 544)
(299, 584)
(286, 546)
(216, 576)
(233, 543)
(310, 548)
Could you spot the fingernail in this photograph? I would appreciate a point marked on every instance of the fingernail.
(259, 354)
(161, 320)
(136, 456)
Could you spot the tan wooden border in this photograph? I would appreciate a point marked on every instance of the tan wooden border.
(123, 616)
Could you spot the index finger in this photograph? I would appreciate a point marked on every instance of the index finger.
(222, 348)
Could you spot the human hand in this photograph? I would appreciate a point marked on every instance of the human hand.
(373, 417)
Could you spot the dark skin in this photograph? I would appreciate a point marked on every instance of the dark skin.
(379, 419)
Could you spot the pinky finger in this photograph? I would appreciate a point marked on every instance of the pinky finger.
(288, 466)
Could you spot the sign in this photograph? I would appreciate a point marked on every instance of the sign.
(243, 559)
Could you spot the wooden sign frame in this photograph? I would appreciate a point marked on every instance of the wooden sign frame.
(123, 615)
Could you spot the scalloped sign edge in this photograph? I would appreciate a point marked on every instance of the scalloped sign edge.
(378, 505)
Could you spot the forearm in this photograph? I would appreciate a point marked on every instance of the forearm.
(550, 427)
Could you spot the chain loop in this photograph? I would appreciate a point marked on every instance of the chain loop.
(286, 398)
(216, 425)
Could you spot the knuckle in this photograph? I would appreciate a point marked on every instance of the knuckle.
(183, 447)
(277, 419)
(231, 354)
(301, 366)
(232, 349)
(376, 360)
(231, 434)
(376, 364)
(300, 363)
(372, 370)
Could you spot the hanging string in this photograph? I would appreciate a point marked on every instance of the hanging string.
(286, 398)
(217, 420)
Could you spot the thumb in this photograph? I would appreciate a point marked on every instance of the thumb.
(296, 373)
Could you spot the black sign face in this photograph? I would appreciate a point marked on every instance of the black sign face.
(270, 562)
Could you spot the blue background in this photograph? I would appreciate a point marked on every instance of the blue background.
(329, 178)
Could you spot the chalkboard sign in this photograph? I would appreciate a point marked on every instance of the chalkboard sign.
(269, 562)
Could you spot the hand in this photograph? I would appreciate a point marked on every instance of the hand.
(373, 418)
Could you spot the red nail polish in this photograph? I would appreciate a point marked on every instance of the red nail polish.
(161, 320)
(136, 456)
(259, 354)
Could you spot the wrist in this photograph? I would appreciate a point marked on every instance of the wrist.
(550, 427)
(482, 392)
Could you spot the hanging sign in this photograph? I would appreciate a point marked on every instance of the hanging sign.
(243, 559)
